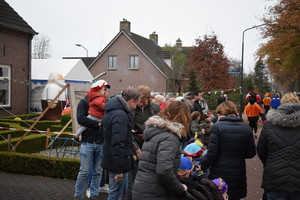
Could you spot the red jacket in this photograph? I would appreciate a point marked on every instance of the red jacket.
(96, 103)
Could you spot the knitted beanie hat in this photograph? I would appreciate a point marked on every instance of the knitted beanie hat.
(194, 149)
(221, 184)
(99, 85)
(185, 164)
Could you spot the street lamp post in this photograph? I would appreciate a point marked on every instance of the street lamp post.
(87, 52)
(242, 64)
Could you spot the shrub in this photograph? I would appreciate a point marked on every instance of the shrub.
(39, 165)
(65, 119)
(23, 117)
(30, 144)
(4, 134)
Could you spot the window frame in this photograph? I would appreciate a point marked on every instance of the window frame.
(112, 62)
(8, 79)
(136, 62)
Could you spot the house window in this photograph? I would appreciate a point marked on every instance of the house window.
(112, 62)
(134, 62)
(5, 85)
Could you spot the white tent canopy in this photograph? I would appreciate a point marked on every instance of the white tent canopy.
(72, 70)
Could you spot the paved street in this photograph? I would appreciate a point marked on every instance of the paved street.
(19, 187)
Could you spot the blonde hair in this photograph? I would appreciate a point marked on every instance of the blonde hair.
(290, 97)
(160, 98)
(227, 108)
(178, 112)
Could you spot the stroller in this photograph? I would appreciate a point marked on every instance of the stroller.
(205, 190)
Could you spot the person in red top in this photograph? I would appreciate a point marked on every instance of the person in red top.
(97, 99)
(253, 110)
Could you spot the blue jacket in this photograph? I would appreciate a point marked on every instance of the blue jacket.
(117, 147)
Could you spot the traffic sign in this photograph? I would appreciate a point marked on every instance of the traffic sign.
(234, 72)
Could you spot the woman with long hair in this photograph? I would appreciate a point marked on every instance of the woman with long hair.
(157, 174)
(231, 143)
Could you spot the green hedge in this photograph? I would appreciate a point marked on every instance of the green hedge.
(39, 165)
(212, 99)
(3, 124)
(31, 144)
(13, 133)
(40, 125)
(57, 128)
(23, 117)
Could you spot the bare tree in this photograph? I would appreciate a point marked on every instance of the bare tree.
(41, 47)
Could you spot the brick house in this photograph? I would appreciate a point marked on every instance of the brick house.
(15, 56)
(130, 60)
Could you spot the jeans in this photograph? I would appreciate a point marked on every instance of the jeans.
(282, 196)
(90, 155)
(90, 175)
(117, 189)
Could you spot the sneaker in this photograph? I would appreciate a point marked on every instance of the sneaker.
(88, 193)
(104, 189)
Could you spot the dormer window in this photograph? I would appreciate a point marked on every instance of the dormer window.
(112, 62)
(134, 62)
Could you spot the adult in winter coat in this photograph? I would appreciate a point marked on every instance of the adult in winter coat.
(279, 150)
(117, 148)
(157, 173)
(231, 143)
(90, 148)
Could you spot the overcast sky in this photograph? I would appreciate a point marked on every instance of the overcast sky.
(94, 23)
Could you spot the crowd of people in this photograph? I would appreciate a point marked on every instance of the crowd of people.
(149, 146)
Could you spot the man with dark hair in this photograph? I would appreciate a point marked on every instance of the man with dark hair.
(117, 148)
(196, 105)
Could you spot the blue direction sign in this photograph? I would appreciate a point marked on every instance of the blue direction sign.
(234, 72)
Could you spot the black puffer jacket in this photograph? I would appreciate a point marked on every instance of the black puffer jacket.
(279, 149)
(231, 142)
(157, 174)
(117, 149)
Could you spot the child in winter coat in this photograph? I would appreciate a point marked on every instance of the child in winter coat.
(195, 130)
(195, 150)
(97, 99)
(198, 187)
(205, 126)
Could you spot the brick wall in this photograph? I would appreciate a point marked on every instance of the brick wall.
(123, 77)
(14, 50)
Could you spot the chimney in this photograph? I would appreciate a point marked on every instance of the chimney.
(154, 37)
(125, 25)
(178, 44)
